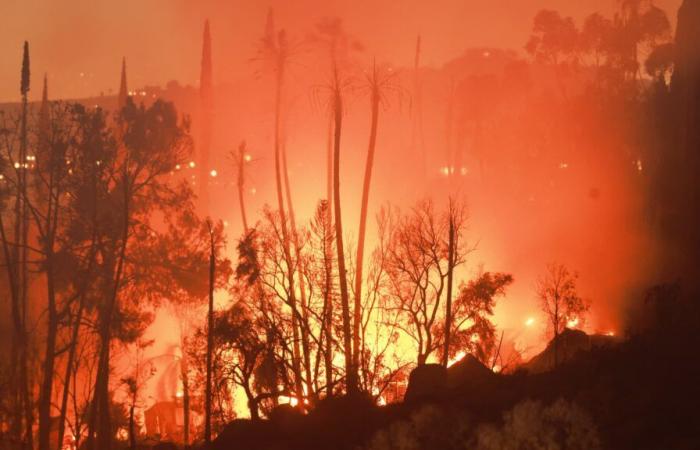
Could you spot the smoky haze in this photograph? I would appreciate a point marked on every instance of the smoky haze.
(527, 206)
(80, 47)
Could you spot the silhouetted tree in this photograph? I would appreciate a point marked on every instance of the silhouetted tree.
(379, 83)
(417, 268)
(152, 142)
(472, 329)
(560, 302)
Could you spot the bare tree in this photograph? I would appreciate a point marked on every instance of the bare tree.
(418, 267)
(559, 301)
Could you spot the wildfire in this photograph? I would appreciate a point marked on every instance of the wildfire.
(287, 400)
(457, 358)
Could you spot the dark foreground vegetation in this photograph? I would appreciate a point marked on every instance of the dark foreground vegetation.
(636, 394)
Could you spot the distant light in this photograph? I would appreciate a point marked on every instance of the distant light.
(253, 191)
(563, 165)
(213, 173)
(225, 223)
(572, 323)
(2, 177)
(486, 54)
(177, 166)
(530, 321)
(16, 165)
(192, 164)
(640, 167)
(247, 157)
(496, 368)
(463, 171)
(610, 333)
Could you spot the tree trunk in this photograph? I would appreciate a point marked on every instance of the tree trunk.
(132, 428)
(45, 395)
(252, 402)
(241, 185)
(296, 365)
(16, 425)
(69, 369)
(49, 359)
(356, 351)
(305, 345)
(185, 396)
(350, 374)
(100, 422)
(70, 365)
(24, 405)
(448, 305)
(328, 257)
(210, 338)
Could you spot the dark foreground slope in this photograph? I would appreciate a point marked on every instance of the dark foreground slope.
(641, 393)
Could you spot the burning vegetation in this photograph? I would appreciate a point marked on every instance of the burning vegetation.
(523, 274)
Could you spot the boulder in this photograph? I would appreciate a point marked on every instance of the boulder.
(427, 382)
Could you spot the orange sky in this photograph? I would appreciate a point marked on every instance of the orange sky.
(80, 42)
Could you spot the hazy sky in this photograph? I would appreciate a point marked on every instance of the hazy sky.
(80, 42)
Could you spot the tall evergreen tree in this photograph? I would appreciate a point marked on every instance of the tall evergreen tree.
(123, 90)
(205, 118)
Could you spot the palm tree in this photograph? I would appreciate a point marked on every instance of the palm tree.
(275, 48)
(378, 83)
(350, 368)
(240, 158)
